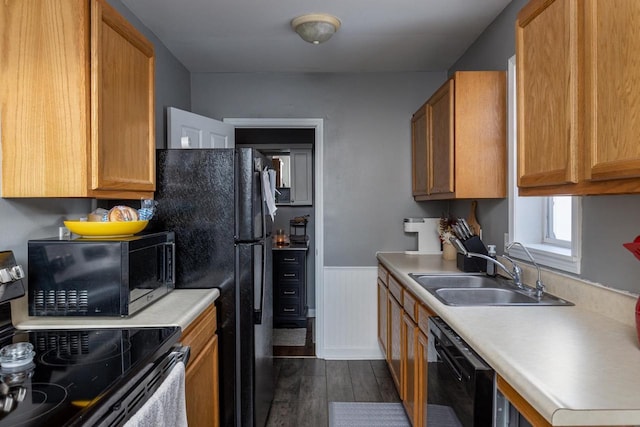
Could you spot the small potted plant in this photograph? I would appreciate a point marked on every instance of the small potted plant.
(445, 230)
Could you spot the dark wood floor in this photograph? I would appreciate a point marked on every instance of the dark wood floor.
(305, 386)
(308, 350)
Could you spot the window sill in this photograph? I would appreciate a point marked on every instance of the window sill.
(549, 256)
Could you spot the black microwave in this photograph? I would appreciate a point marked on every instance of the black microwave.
(99, 276)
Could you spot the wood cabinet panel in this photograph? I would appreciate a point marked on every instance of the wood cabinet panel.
(383, 314)
(547, 67)
(395, 288)
(383, 274)
(422, 345)
(578, 91)
(200, 388)
(420, 152)
(122, 76)
(612, 83)
(202, 376)
(409, 366)
(441, 140)
(465, 138)
(394, 351)
(85, 127)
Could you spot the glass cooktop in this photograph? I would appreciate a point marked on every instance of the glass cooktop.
(73, 372)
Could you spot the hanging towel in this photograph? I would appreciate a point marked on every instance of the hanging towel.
(166, 407)
(269, 190)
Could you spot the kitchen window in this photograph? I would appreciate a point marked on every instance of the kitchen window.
(550, 227)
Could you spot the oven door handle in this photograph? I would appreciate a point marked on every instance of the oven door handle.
(182, 353)
(450, 361)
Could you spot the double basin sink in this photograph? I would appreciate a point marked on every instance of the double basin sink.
(481, 290)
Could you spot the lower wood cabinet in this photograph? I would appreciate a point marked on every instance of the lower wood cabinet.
(409, 365)
(201, 383)
(394, 353)
(403, 336)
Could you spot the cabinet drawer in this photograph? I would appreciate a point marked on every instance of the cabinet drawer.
(395, 288)
(288, 307)
(289, 258)
(423, 318)
(383, 274)
(200, 331)
(289, 275)
(288, 291)
(410, 306)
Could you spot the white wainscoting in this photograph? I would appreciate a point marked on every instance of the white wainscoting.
(350, 313)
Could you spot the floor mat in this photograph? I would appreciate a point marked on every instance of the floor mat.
(370, 414)
(367, 414)
(295, 337)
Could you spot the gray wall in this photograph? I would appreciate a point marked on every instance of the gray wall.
(608, 221)
(24, 219)
(367, 149)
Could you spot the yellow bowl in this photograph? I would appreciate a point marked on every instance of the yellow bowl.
(105, 229)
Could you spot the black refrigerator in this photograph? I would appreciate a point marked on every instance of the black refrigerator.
(213, 200)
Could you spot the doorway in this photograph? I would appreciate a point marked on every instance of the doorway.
(315, 313)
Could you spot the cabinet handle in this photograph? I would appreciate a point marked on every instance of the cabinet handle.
(289, 292)
(289, 310)
(289, 274)
(289, 259)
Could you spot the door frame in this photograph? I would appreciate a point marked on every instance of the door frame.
(318, 205)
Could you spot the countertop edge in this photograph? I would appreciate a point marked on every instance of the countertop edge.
(549, 405)
(178, 308)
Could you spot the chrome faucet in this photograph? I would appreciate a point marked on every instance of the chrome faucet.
(539, 291)
(515, 273)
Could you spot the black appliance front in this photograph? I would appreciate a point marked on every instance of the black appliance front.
(459, 382)
(212, 199)
(99, 277)
(75, 371)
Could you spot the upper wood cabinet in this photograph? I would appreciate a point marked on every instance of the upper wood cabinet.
(459, 139)
(578, 97)
(77, 102)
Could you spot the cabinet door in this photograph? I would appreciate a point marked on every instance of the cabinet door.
(301, 177)
(409, 371)
(441, 140)
(201, 387)
(122, 105)
(422, 344)
(383, 313)
(44, 126)
(612, 79)
(547, 91)
(419, 152)
(395, 343)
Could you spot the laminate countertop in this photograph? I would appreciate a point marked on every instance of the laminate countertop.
(179, 307)
(575, 366)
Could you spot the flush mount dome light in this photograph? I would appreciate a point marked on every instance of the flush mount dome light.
(315, 28)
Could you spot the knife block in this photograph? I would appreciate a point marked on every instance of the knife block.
(473, 264)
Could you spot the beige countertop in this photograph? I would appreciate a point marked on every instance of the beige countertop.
(574, 365)
(178, 308)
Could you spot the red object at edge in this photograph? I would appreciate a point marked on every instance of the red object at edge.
(634, 247)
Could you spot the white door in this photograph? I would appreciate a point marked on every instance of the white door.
(189, 130)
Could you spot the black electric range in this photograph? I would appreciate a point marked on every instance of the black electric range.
(82, 377)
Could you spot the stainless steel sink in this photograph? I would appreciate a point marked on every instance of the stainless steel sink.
(479, 290)
(434, 281)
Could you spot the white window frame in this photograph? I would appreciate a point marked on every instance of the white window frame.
(527, 215)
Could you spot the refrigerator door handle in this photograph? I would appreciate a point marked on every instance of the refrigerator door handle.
(257, 312)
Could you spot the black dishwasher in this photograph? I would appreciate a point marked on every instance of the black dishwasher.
(460, 383)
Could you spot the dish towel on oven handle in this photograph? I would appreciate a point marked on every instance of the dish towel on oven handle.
(269, 190)
(166, 407)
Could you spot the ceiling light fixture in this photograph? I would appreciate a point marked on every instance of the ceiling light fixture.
(315, 28)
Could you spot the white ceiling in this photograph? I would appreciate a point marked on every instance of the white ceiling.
(376, 35)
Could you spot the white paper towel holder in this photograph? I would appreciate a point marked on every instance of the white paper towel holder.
(428, 238)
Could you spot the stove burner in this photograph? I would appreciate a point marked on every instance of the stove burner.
(44, 399)
(65, 349)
